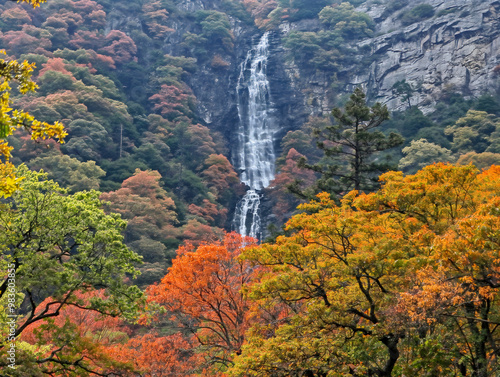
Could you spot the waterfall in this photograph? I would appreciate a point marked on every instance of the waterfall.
(255, 154)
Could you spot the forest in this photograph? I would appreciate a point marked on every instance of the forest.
(124, 166)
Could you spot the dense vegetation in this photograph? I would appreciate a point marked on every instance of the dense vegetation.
(128, 113)
(120, 248)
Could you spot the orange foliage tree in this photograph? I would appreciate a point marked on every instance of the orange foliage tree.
(156, 16)
(171, 101)
(219, 175)
(151, 216)
(89, 343)
(75, 338)
(155, 356)
(145, 204)
(289, 174)
(120, 47)
(202, 295)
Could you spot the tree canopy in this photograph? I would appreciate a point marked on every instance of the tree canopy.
(202, 295)
(61, 247)
(402, 281)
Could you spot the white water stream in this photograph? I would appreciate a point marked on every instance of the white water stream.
(255, 155)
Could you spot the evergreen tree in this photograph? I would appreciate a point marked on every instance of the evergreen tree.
(350, 149)
(404, 90)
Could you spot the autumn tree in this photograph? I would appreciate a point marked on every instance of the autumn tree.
(219, 174)
(151, 216)
(296, 146)
(84, 39)
(335, 294)
(454, 281)
(421, 153)
(403, 281)
(20, 42)
(302, 141)
(75, 337)
(480, 160)
(12, 71)
(156, 16)
(101, 345)
(259, 10)
(171, 101)
(220, 178)
(15, 17)
(142, 200)
(120, 47)
(197, 232)
(290, 175)
(202, 295)
(153, 355)
(210, 212)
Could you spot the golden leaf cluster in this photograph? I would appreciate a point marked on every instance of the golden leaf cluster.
(12, 71)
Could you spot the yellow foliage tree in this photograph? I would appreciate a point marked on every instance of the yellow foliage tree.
(403, 281)
(34, 3)
(12, 71)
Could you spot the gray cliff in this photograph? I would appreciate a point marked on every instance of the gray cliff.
(456, 50)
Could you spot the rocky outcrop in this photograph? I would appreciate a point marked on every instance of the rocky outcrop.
(287, 100)
(456, 50)
(314, 86)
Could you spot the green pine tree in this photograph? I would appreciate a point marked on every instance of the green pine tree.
(351, 160)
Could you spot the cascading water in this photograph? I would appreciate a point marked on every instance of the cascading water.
(254, 155)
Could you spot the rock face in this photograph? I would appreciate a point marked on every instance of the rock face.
(314, 86)
(458, 49)
(287, 99)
